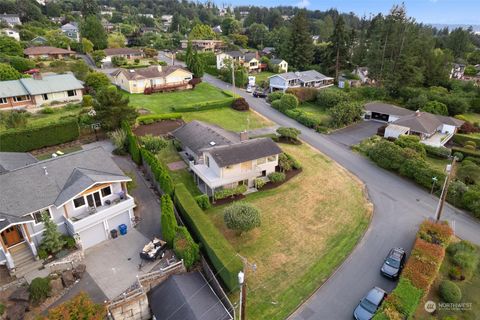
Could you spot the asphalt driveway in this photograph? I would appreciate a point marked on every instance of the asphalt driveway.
(355, 133)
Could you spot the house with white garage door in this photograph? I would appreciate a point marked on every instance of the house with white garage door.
(85, 194)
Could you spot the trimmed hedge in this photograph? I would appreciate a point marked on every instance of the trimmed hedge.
(438, 152)
(203, 201)
(28, 139)
(133, 146)
(450, 292)
(168, 221)
(220, 252)
(159, 170)
(150, 118)
(466, 152)
(217, 104)
(462, 139)
(185, 248)
(225, 193)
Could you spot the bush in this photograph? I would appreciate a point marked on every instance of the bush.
(153, 143)
(450, 292)
(461, 246)
(466, 152)
(345, 113)
(158, 117)
(329, 98)
(405, 297)
(275, 177)
(412, 142)
(276, 95)
(286, 162)
(168, 220)
(458, 155)
(69, 241)
(276, 104)
(203, 201)
(468, 261)
(436, 233)
(47, 110)
(471, 144)
(39, 289)
(386, 154)
(87, 101)
(2, 309)
(288, 102)
(14, 119)
(80, 307)
(42, 253)
(230, 192)
(304, 94)
(185, 248)
(303, 117)
(119, 139)
(159, 171)
(241, 217)
(437, 152)
(260, 183)
(220, 252)
(217, 104)
(240, 104)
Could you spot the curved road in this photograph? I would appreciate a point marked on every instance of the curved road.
(399, 207)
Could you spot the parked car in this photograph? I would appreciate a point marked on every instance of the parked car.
(250, 88)
(369, 304)
(259, 94)
(393, 264)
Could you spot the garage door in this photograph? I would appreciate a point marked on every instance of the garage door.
(93, 235)
(122, 218)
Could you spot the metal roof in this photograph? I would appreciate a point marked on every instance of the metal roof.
(12, 88)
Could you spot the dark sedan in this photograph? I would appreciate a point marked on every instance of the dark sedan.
(369, 304)
(393, 264)
(259, 94)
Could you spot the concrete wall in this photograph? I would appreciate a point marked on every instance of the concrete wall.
(136, 308)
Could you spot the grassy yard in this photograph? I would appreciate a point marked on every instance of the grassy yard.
(309, 226)
(262, 76)
(316, 112)
(472, 117)
(438, 164)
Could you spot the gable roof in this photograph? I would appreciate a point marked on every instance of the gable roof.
(148, 72)
(243, 151)
(51, 83)
(276, 61)
(12, 88)
(303, 76)
(69, 26)
(39, 39)
(385, 108)
(118, 51)
(46, 50)
(28, 189)
(186, 296)
(235, 54)
(197, 135)
(7, 220)
(13, 160)
(425, 122)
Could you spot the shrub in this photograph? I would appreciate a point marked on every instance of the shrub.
(304, 118)
(288, 102)
(203, 201)
(472, 144)
(14, 119)
(159, 171)
(436, 233)
(466, 152)
(52, 240)
(2, 309)
(119, 138)
(23, 140)
(329, 98)
(437, 152)
(218, 104)
(260, 183)
(275, 177)
(277, 95)
(304, 94)
(386, 154)
(87, 101)
(240, 104)
(69, 241)
(39, 289)
(158, 117)
(185, 248)
(286, 162)
(345, 113)
(290, 134)
(153, 143)
(168, 220)
(80, 307)
(47, 110)
(241, 217)
(455, 273)
(459, 156)
(461, 246)
(405, 297)
(220, 252)
(276, 104)
(468, 261)
(450, 292)
(42, 253)
(412, 142)
(230, 192)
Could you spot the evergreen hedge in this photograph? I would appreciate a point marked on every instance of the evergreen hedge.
(216, 104)
(168, 221)
(150, 118)
(132, 144)
(220, 252)
(31, 138)
(461, 139)
(185, 248)
(159, 170)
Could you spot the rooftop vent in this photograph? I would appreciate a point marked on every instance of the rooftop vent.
(45, 170)
(212, 143)
(131, 70)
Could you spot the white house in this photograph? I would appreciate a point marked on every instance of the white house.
(127, 53)
(279, 64)
(11, 33)
(11, 20)
(247, 59)
(220, 159)
(307, 79)
(84, 193)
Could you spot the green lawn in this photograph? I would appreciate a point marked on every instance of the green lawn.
(262, 77)
(316, 112)
(438, 164)
(309, 226)
(472, 117)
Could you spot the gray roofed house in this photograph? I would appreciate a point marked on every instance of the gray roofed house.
(11, 19)
(84, 193)
(381, 111)
(421, 122)
(11, 88)
(51, 83)
(308, 79)
(13, 160)
(186, 296)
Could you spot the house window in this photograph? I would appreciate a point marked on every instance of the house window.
(261, 160)
(79, 202)
(45, 96)
(272, 158)
(20, 98)
(3, 100)
(72, 93)
(37, 216)
(106, 191)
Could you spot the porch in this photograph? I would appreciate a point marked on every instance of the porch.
(17, 250)
(438, 139)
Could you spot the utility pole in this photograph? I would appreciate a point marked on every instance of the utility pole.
(233, 79)
(243, 300)
(450, 170)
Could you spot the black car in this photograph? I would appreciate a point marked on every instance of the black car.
(394, 262)
(259, 94)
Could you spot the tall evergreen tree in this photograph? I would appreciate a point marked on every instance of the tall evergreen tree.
(197, 66)
(300, 45)
(339, 45)
(90, 8)
(92, 29)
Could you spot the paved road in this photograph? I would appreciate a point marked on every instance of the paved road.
(399, 207)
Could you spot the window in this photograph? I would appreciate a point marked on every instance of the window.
(79, 202)
(20, 98)
(45, 96)
(261, 160)
(106, 191)
(272, 158)
(3, 100)
(37, 216)
(72, 93)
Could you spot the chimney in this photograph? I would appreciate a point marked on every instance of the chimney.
(45, 170)
(37, 76)
(159, 68)
(243, 136)
(417, 113)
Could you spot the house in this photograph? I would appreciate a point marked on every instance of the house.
(267, 51)
(307, 79)
(167, 20)
(46, 52)
(279, 65)
(127, 53)
(11, 20)
(146, 15)
(220, 159)
(203, 45)
(108, 26)
(346, 80)
(156, 78)
(217, 29)
(38, 41)
(457, 71)
(186, 296)
(247, 59)
(433, 129)
(72, 31)
(40, 91)
(11, 33)
(362, 73)
(84, 193)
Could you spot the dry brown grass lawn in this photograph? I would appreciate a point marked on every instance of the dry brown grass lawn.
(309, 225)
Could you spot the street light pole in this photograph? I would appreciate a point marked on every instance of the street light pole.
(450, 169)
(434, 179)
(233, 79)
(241, 309)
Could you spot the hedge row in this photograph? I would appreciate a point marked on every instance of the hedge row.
(168, 220)
(221, 254)
(420, 272)
(27, 139)
(466, 152)
(217, 104)
(438, 152)
(159, 170)
(151, 118)
(132, 143)
(461, 139)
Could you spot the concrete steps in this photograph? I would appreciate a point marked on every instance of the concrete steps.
(24, 260)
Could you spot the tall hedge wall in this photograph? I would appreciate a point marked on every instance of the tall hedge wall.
(461, 139)
(159, 170)
(221, 254)
(27, 139)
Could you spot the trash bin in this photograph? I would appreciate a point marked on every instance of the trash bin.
(114, 233)
(123, 229)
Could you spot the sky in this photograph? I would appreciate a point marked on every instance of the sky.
(426, 11)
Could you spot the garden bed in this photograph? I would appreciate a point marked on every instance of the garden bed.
(159, 128)
(221, 202)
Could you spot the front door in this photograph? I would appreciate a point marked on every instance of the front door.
(12, 236)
